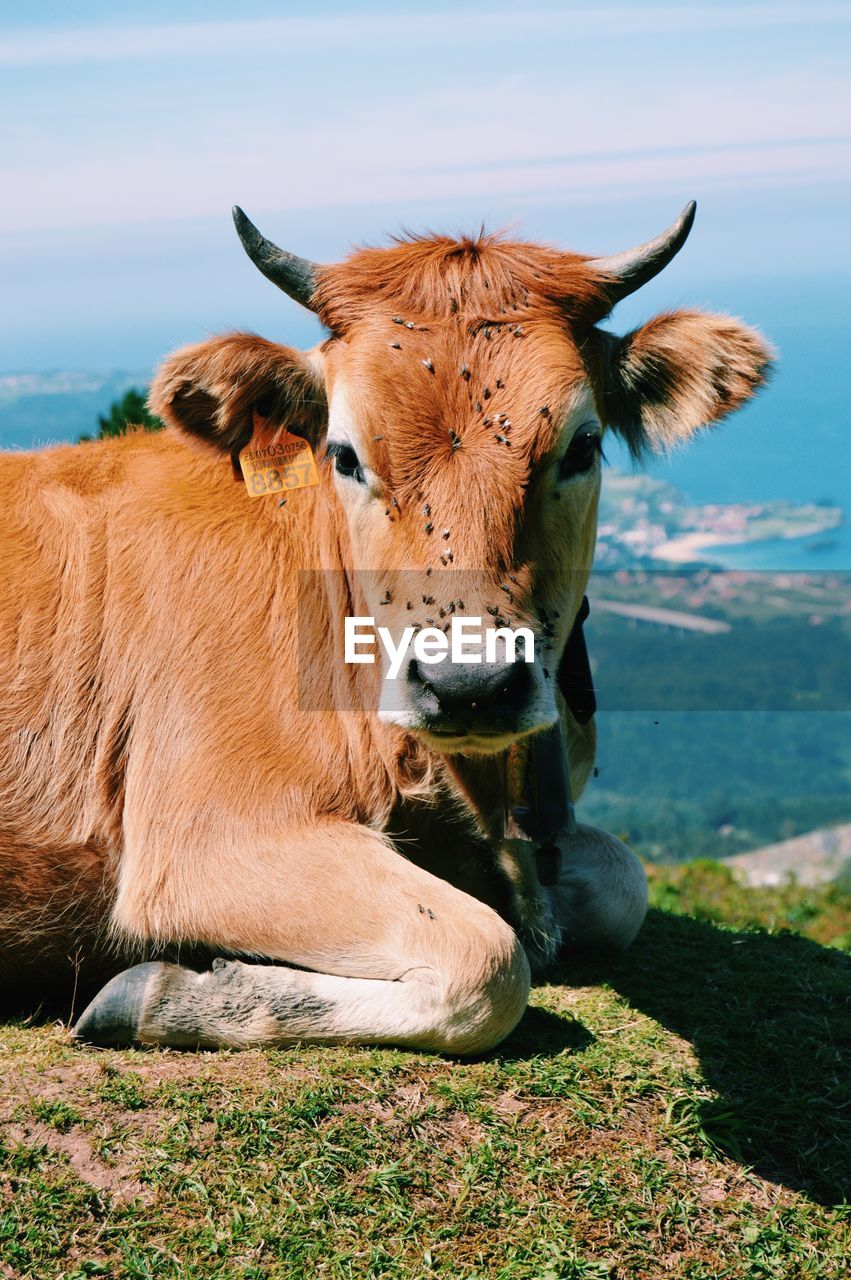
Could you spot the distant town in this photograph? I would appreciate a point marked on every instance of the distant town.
(645, 522)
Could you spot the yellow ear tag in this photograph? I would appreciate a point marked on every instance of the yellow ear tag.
(285, 463)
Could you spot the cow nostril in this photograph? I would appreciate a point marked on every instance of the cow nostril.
(512, 684)
(415, 675)
(448, 687)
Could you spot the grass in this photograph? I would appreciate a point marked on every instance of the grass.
(684, 1111)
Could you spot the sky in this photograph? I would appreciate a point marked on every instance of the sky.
(127, 132)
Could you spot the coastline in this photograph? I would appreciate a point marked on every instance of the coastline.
(687, 548)
(684, 549)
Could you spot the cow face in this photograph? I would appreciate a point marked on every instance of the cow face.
(460, 406)
(466, 456)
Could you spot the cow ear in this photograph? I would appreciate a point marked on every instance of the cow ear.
(215, 391)
(680, 371)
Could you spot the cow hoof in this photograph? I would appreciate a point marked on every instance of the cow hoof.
(113, 1017)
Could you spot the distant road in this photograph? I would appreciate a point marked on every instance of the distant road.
(663, 617)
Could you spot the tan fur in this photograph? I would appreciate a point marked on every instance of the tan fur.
(680, 371)
(163, 767)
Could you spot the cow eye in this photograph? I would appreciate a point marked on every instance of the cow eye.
(346, 461)
(582, 451)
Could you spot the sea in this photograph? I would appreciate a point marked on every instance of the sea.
(793, 441)
(830, 551)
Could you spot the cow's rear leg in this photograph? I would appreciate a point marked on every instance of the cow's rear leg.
(388, 954)
(54, 902)
(600, 897)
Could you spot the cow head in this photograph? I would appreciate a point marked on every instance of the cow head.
(460, 403)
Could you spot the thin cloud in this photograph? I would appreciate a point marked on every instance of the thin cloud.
(81, 151)
(199, 40)
(129, 192)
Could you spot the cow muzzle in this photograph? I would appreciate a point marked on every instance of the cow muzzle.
(453, 700)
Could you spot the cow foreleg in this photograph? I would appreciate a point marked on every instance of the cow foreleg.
(534, 911)
(396, 956)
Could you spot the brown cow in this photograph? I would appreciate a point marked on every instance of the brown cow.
(186, 761)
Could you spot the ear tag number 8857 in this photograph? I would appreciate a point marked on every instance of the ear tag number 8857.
(286, 464)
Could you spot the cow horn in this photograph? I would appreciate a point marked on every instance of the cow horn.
(296, 276)
(628, 271)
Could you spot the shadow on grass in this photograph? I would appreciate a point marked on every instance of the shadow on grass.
(769, 1016)
(541, 1034)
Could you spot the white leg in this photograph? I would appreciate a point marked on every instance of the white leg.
(600, 898)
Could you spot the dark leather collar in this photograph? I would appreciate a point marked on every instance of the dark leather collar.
(574, 671)
(547, 804)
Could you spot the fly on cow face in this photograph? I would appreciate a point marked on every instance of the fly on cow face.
(468, 388)
(489, 497)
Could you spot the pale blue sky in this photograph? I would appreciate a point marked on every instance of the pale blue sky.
(127, 132)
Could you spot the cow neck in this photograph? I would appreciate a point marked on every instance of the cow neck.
(521, 794)
(489, 785)
(524, 793)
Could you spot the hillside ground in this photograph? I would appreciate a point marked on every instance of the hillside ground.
(684, 1111)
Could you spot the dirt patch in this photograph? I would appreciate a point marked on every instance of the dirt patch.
(77, 1081)
(405, 1104)
(454, 1132)
(56, 1084)
(193, 1066)
(118, 1184)
(543, 1112)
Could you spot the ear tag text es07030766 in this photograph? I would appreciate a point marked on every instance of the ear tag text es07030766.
(276, 462)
